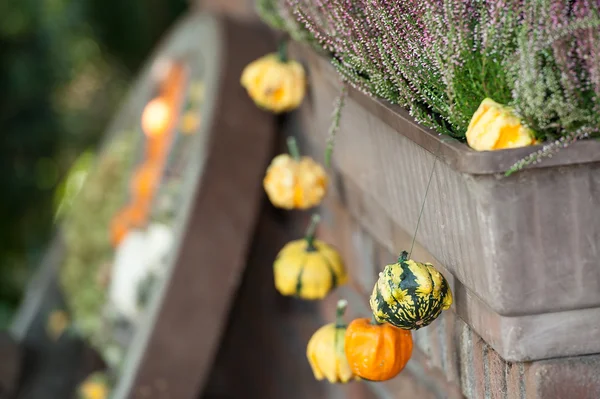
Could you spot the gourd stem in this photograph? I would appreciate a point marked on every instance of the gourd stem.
(293, 148)
(403, 257)
(374, 321)
(339, 313)
(282, 50)
(310, 232)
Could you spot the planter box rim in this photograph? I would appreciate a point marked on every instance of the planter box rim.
(456, 154)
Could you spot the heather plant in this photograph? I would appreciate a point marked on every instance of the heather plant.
(440, 58)
(437, 58)
(556, 76)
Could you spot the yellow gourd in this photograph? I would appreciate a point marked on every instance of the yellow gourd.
(495, 127)
(274, 82)
(325, 350)
(308, 268)
(94, 387)
(294, 182)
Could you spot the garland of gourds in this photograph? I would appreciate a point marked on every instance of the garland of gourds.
(408, 295)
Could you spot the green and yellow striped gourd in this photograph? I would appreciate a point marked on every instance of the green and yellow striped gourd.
(409, 294)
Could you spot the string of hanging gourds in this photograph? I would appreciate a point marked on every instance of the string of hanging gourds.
(408, 295)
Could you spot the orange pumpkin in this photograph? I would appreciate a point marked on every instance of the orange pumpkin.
(377, 352)
(156, 117)
(144, 181)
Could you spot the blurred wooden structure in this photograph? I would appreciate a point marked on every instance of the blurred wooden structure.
(10, 365)
(175, 348)
(192, 315)
(238, 9)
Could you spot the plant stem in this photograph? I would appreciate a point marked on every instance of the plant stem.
(282, 50)
(342, 304)
(335, 123)
(310, 232)
(293, 148)
(403, 257)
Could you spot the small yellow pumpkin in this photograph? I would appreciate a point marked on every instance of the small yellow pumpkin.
(495, 127)
(294, 182)
(409, 294)
(308, 268)
(95, 386)
(275, 83)
(325, 350)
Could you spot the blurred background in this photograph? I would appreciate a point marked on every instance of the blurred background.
(65, 66)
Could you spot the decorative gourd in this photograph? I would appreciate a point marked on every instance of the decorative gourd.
(145, 180)
(95, 386)
(325, 350)
(294, 182)
(495, 127)
(308, 268)
(274, 82)
(190, 122)
(409, 294)
(156, 117)
(375, 351)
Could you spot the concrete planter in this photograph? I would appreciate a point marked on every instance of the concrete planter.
(524, 247)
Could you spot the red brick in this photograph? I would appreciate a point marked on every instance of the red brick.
(450, 344)
(496, 375)
(515, 384)
(577, 377)
(435, 349)
(478, 365)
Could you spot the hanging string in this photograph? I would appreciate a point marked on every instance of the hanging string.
(412, 245)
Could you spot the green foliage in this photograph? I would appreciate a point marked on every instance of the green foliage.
(87, 241)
